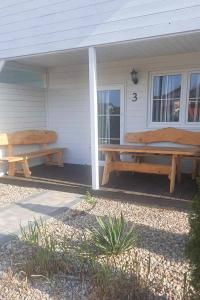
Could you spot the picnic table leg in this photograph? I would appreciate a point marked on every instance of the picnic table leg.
(26, 169)
(116, 156)
(59, 159)
(178, 165)
(107, 169)
(194, 168)
(173, 174)
(11, 168)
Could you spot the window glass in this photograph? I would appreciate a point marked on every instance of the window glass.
(109, 116)
(166, 98)
(194, 98)
(24, 77)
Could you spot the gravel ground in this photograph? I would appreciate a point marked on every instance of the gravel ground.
(13, 193)
(162, 234)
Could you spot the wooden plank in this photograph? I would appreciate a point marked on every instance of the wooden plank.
(25, 166)
(107, 168)
(28, 137)
(141, 167)
(194, 168)
(185, 151)
(173, 174)
(11, 159)
(11, 168)
(30, 155)
(172, 135)
(178, 168)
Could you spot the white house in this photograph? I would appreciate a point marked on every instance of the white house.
(64, 63)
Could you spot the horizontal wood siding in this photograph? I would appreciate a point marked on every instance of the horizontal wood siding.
(68, 98)
(29, 27)
(68, 113)
(21, 108)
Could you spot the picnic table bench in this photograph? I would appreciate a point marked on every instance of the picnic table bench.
(53, 156)
(172, 135)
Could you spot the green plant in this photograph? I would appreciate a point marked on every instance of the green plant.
(32, 232)
(121, 279)
(89, 198)
(193, 244)
(44, 258)
(112, 238)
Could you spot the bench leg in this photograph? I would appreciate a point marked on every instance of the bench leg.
(11, 168)
(173, 174)
(26, 169)
(59, 159)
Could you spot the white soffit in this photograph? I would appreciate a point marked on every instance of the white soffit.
(134, 49)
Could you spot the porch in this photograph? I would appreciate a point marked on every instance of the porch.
(144, 189)
(66, 102)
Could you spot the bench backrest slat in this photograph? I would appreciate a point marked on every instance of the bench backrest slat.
(28, 137)
(172, 135)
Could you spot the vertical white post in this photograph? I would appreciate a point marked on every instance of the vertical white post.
(93, 118)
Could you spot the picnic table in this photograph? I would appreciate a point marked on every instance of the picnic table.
(114, 163)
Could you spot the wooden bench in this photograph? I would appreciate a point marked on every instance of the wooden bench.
(53, 156)
(171, 135)
(144, 145)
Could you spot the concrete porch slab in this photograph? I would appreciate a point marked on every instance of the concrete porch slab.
(43, 205)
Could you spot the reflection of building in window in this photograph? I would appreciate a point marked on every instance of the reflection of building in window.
(194, 99)
(166, 98)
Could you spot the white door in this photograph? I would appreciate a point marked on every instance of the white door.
(110, 115)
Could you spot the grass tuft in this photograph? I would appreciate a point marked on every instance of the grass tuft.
(88, 198)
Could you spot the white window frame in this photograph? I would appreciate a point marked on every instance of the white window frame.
(183, 99)
(190, 124)
(122, 105)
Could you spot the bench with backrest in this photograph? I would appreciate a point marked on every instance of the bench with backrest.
(53, 156)
(167, 135)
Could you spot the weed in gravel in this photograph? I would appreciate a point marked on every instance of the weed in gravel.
(32, 232)
(112, 238)
(44, 257)
(88, 198)
(115, 278)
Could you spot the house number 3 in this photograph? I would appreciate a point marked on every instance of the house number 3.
(134, 97)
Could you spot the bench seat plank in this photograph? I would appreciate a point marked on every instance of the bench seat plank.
(39, 153)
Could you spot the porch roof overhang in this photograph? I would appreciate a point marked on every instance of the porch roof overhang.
(136, 49)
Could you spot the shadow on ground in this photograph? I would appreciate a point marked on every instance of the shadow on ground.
(144, 189)
(165, 243)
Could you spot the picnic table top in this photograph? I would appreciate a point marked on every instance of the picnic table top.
(183, 151)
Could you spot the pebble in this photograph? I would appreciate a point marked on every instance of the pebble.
(162, 236)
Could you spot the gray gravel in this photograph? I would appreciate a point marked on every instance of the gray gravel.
(13, 193)
(162, 234)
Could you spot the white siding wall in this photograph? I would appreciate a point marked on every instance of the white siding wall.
(68, 112)
(21, 108)
(29, 27)
(68, 100)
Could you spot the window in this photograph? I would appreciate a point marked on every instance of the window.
(26, 77)
(109, 116)
(166, 98)
(194, 98)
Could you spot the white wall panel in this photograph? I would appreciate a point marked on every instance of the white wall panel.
(30, 27)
